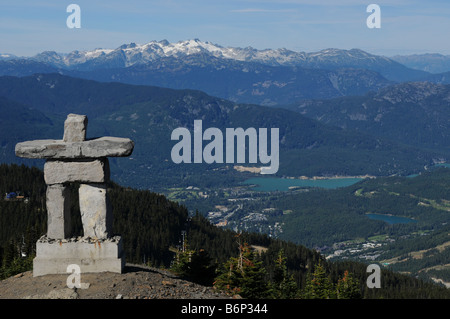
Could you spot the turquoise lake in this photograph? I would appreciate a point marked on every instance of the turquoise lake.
(391, 219)
(270, 184)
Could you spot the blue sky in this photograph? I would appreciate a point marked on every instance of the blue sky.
(407, 27)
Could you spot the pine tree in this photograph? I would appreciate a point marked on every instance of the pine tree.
(254, 284)
(230, 277)
(244, 275)
(195, 265)
(318, 284)
(284, 286)
(9, 254)
(348, 287)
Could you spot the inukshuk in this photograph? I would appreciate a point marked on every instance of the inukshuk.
(75, 159)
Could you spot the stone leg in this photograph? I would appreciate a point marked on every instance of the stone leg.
(96, 212)
(58, 211)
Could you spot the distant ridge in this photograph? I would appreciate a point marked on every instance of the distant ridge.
(131, 54)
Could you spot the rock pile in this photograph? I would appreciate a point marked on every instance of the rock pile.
(75, 159)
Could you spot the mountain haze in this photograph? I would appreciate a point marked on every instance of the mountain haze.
(244, 75)
(135, 54)
(429, 62)
(340, 113)
(148, 115)
(415, 113)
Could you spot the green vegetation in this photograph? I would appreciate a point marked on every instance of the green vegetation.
(422, 107)
(323, 217)
(148, 115)
(335, 221)
(152, 228)
(243, 275)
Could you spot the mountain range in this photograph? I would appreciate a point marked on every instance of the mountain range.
(245, 75)
(340, 112)
(413, 113)
(35, 107)
(429, 62)
(133, 54)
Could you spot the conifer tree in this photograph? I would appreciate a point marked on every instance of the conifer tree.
(244, 275)
(284, 286)
(195, 265)
(318, 284)
(348, 287)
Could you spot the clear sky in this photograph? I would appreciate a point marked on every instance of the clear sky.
(407, 27)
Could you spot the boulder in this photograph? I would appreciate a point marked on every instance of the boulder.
(79, 170)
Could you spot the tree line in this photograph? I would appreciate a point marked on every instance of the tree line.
(161, 233)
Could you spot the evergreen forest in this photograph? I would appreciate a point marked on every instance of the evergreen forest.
(161, 233)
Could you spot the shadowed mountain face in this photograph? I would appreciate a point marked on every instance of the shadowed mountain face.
(148, 115)
(266, 77)
(196, 51)
(429, 62)
(415, 114)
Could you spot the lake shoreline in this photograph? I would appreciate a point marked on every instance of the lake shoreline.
(268, 184)
(328, 177)
(390, 218)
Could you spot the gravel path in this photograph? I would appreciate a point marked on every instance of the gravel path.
(136, 282)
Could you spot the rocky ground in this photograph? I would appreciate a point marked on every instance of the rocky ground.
(136, 282)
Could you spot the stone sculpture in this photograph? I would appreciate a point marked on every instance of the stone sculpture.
(75, 159)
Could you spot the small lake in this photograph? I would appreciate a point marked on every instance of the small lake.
(270, 184)
(447, 165)
(391, 219)
(436, 166)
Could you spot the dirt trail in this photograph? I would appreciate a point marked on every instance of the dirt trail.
(136, 282)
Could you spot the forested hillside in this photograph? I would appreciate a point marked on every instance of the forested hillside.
(152, 228)
(424, 199)
(413, 113)
(148, 115)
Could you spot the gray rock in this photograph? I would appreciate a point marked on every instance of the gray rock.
(96, 212)
(64, 293)
(58, 211)
(91, 257)
(107, 147)
(58, 149)
(85, 171)
(75, 159)
(75, 128)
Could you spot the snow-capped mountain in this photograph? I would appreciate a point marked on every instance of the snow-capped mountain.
(247, 75)
(6, 56)
(131, 54)
(135, 54)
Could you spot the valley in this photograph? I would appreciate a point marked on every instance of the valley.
(360, 174)
(391, 217)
